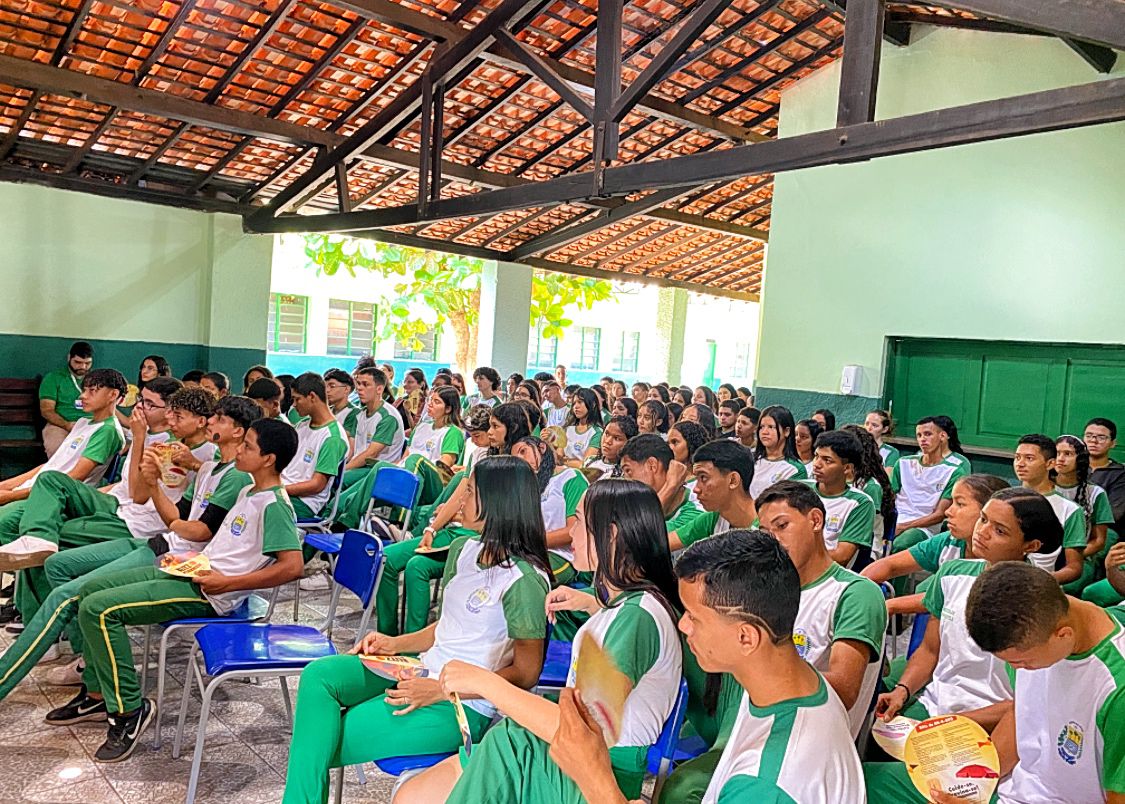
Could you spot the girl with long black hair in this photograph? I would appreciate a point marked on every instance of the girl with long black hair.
(1072, 480)
(492, 617)
(440, 439)
(775, 457)
(583, 427)
(633, 614)
(652, 417)
(508, 424)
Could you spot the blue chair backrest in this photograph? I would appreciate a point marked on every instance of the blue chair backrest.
(357, 567)
(665, 746)
(395, 486)
(917, 632)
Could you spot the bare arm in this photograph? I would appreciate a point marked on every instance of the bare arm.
(843, 552)
(372, 453)
(288, 566)
(1097, 541)
(561, 536)
(847, 662)
(1115, 567)
(919, 670)
(1073, 568)
(49, 414)
(314, 485)
(934, 518)
(893, 566)
(990, 716)
(907, 604)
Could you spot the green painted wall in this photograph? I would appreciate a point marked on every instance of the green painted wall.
(1018, 239)
(130, 278)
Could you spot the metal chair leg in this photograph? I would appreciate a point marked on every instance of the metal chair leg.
(190, 674)
(146, 646)
(338, 795)
(161, 670)
(201, 733)
(288, 701)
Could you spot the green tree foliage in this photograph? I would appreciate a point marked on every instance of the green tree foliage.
(435, 288)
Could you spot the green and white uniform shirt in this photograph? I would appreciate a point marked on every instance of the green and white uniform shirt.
(849, 517)
(937, 550)
(799, 750)
(687, 512)
(767, 472)
(703, 526)
(319, 450)
(1070, 726)
(97, 442)
(433, 443)
(889, 454)
(577, 443)
(346, 417)
(215, 483)
(484, 610)
(843, 605)
(293, 416)
(473, 456)
(384, 426)
(477, 399)
(559, 501)
(258, 525)
(638, 633)
(965, 677)
(143, 520)
(918, 488)
(605, 467)
(556, 417)
(1100, 512)
(1072, 517)
(63, 388)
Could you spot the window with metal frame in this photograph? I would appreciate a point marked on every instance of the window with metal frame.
(287, 326)
(351, 328)
(542, 352)
(590, 341)
(404, 349)
(627, 354)
(740, 364)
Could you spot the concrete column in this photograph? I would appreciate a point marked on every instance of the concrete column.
(240, 291)
(505, 303)
(671, 323)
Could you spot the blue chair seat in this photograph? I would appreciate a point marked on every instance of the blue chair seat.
(325, 542)
(246, 647)
(252, 608)
(395, 766)
(556, 664)
(688, 748)
(310, 520)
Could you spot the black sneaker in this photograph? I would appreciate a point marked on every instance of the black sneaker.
(15, 626)
(81, 709)
(125, 732)
(8, 591)
(9, 613)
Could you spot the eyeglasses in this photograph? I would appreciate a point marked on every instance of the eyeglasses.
(1096, 438)
(148, 403)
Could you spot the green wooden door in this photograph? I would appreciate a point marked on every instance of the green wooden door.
(997, 391)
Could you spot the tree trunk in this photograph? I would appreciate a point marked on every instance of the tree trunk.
(466, 335)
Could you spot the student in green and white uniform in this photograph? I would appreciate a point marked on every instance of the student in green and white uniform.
(441, 439)
(724, 472)
(631, 615)
(617, 432)
(850, 520)
(880, 425)
(1072, 473)
(647, 458)
(338, 386)
(1062, 742)
(321, 448)
(488, 388)
(949, 674)
(1034, 462)
(256, 547)
(583, 428)
(561, 489)
(929, 553)
(790, 740)
(555, 408)
(775, 457)
(379, 433)
(492, 616)
(923, 483)
(198, 514)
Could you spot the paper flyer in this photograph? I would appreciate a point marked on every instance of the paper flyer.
(431, 551)
(462, 722)
(891, 734)
(171, 475)
(955, 753)
(394, 667)
(555, 436)
(183, 565)
(603, 687)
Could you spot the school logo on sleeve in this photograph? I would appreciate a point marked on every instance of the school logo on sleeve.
(206, 501)
(77, 442)
(478, 600)
(832, 525)
(801, 642)
(1070, 742)
(238, 525)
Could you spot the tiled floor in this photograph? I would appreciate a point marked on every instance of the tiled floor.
(244, 760)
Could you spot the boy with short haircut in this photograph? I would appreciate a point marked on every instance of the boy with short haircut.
(1064, 740)
(1100, 436)
(256, 547)
(746, 427)
(790, 740)
(267, 394)
(379, 433)
(923, 483)
(1033, 462)
(723, 473)
(554, 406)
(647, 458)
(216, 382)
(59, 392)
(849, 525)
(728, 417)
(338, 387)
(191, 522)
(322, 447)
(488, 388)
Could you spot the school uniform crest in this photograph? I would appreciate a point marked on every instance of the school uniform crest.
(832, 524)
(77, 442)
(238, 525)
(478, 600)
(1070, 742)
(205, 501)
(801, 642)
(309, 455)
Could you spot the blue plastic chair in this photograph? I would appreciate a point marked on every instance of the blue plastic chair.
(259, 650)
(394, 487)
(556, 666)
(662, 754)
(321, 525)
(917, 632)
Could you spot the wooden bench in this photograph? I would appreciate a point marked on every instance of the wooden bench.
(21, 426)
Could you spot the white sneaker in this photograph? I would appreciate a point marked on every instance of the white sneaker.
(316, 566)
(67, 675)
(316, 583)
(24, 552)
(52, 654)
